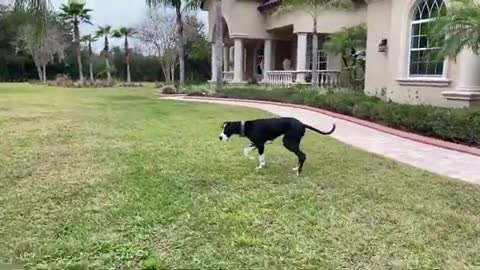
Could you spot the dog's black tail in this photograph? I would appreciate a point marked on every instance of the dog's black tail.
(321, 132)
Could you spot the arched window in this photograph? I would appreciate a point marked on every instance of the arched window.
(423, 14)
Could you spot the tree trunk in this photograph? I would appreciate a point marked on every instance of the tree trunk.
(219, 44)
(40, 73)
(91, 70)
(129, 77)
(44, 72)
(90, 64)
(78, 49)
(347, 67)
(180, 46)
(107, 65)
(80, 66)
(127, 61)
(166, 73)
(315, 55)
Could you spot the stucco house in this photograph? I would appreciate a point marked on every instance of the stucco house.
(274, 49)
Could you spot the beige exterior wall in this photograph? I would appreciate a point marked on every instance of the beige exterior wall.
(387, 73)
(242, 17)
(328, 21)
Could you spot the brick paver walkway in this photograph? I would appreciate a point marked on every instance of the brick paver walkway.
(438, 160)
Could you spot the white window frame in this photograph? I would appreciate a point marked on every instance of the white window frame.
(412, 22)
(319, 51)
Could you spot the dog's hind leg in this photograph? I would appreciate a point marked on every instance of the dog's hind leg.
(249, 149)
(261, 156)
(293, 145)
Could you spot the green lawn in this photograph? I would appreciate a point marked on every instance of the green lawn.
(118, 179)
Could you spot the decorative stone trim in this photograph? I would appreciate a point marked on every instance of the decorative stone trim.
(238, 35)
(435, 82)
(459, 95)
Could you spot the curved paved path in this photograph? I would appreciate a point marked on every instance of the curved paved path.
(438, 160)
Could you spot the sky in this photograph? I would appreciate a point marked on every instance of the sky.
(116, 13)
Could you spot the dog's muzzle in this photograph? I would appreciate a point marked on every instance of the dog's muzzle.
(223, 137)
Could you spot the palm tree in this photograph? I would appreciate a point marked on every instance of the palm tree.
(180, 7)
(89, 39)
(75, 14)
(456, 29)
(345, 43)
(126, 32)
(105, 32)
(313, 8)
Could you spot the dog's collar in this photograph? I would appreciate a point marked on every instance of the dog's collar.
(242, 129)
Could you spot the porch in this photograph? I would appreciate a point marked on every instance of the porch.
(281, 61)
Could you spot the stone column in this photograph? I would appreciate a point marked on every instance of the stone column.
(468, 80)
(238, 61)
(213, 61)
(226, 58)
(301, 56)
(267, 54)
(274, 56)
(469, 72)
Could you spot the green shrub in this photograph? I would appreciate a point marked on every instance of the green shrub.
(62, 81)
(461, 125)
(169, 90)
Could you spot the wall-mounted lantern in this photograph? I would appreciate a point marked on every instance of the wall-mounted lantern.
(382, 47)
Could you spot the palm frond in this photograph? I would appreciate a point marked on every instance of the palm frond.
(459, 28)
(77, 11)
(169, 3)
(191, 5)
(346, 39)
(105, 30)
(89, 38)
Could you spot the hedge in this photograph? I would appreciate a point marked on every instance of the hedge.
(459, 125)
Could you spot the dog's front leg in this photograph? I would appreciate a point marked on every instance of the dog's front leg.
(261, 156)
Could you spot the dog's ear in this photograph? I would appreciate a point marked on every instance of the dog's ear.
(225, 124)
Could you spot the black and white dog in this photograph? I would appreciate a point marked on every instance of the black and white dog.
(264, 131)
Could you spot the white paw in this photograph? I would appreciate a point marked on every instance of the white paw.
(260, 167)
(246, 151)
(295, 169)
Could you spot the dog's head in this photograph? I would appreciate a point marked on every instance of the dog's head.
(229, 129)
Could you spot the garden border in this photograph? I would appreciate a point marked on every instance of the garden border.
(403, 134)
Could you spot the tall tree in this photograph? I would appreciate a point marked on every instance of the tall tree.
(158, 34)
(45, 50)
(180, 7)
(313, 8)
(456, 28)
(88, 40)
(75, 14)
(126, 33)
(106, 32)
